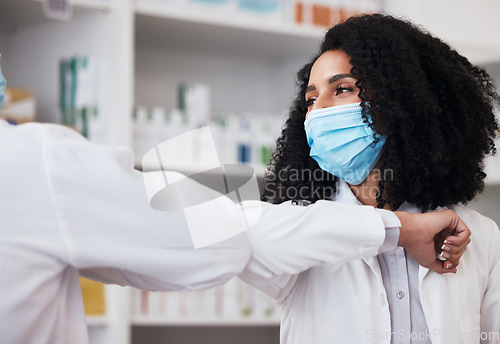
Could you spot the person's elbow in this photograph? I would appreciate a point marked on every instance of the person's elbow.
(229, 259)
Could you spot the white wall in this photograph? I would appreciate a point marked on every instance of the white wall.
(237, 84)
(471, 27)
(488, 203)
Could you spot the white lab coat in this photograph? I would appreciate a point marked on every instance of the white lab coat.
(67, 204)
(331, 290)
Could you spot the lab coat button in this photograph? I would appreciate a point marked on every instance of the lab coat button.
(401, 294)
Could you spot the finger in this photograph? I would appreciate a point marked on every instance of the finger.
(439, 267)
(460, 225)
(461, 230)
(450, 257)
(455, 261)
(454, 250)
(457, 240)
(461, 238)
(452, 270)
(450, 265)
(456, 232)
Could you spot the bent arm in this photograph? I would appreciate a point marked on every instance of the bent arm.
(108, 225)
(290, 239)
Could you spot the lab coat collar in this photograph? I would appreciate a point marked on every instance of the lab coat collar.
(345, 195)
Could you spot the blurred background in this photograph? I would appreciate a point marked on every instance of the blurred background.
(136, 72)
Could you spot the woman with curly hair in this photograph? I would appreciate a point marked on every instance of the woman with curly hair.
(387, 116)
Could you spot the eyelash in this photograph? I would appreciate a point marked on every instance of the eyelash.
(310, 102)
(338, 90)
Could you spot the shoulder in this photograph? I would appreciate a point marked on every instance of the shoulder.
(22, 145)
(479, 222)
(33, 132)
(485, 234)
(26, 132)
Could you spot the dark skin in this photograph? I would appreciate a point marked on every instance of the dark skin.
(331, 84)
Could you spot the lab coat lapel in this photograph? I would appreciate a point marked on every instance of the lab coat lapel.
(345, 195)
(375, 266)
(422, 272)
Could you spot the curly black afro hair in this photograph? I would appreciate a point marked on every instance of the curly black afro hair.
(434, 105)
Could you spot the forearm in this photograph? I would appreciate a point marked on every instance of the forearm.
(290, 239)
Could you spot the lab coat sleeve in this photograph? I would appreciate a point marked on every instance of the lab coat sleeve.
(392, 225)
(290, 239)
(110, 230)
(490, 307)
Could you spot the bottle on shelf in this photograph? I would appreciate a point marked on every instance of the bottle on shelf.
(245, 155)
(78, 97)
(234, 301)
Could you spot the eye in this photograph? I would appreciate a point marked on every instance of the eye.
(341, 89)
(310, 102)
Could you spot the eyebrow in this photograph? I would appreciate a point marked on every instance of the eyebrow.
(331, 80)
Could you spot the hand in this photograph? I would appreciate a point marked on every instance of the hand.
(424, 235)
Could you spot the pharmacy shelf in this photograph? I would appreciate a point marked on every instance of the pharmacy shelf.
(92, 4)
(152, 321)
(18, 14)
(189, 169)
(160, 25)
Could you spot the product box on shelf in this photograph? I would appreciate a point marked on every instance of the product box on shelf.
(326, 13)
(94, 298)
(79, 97)
(19, 106)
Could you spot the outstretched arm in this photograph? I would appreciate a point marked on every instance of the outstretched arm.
(109, 228)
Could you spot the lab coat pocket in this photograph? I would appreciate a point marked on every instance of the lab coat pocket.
(471, 330)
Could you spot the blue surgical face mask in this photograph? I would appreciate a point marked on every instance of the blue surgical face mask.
(3, 84)
(341, 143)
